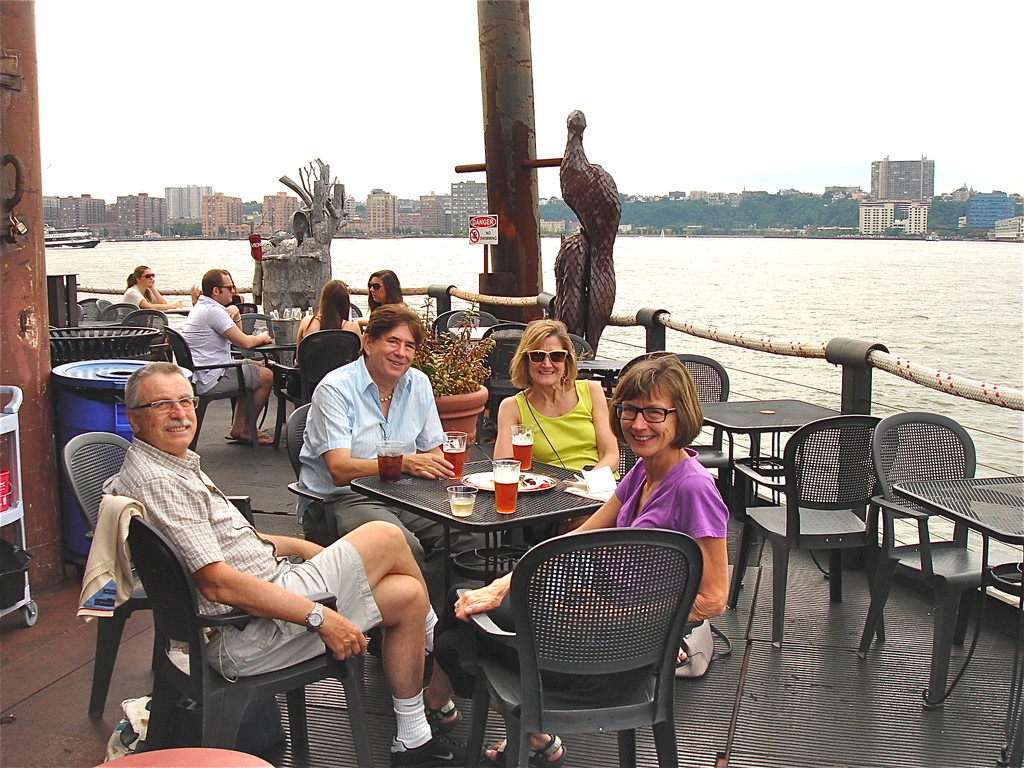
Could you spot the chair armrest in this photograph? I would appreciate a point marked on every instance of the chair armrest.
(225, 364)
(244, 505)
(304, 492)
(898, 509)
(485, 623)
(761, 476)
(239, 618)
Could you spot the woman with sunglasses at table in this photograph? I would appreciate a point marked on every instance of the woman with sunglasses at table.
(143, 294)
(569, 417)
(332, 312)
(384, 288)
(656, 411)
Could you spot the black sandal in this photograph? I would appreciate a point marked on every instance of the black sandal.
(539, 758)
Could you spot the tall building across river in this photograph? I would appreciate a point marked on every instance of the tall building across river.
(903, 179)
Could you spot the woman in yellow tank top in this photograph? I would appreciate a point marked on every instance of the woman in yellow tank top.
(570, 421)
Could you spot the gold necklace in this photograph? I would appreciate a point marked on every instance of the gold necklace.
(386, 399)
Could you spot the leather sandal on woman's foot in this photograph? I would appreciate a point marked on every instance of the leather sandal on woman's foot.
(539, 758)
(444, 719)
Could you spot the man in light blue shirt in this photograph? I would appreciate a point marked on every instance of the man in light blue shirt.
(378, 397)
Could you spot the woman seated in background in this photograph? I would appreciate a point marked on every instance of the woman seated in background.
(332, 311)
(142, 291)
(656, 412)
(569, 417)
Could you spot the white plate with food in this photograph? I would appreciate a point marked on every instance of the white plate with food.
(528, 482)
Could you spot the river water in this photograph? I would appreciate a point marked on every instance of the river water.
(954, 306)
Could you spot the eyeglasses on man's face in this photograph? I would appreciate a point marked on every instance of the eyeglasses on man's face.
(651, 414)
(375, 286)
(227, 288)
(539, 355)
(166, 406)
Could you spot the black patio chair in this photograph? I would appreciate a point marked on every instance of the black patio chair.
(247, 308)
(506, 338)
(90, 309)
(294, 436)
(317, 355)
(115, 313)
(828, 481)
(176, 618)
(584, 351)
(89, 460)
(602, 602)
(458, 318)
(146, 318)
(183, 357)
(915, 447)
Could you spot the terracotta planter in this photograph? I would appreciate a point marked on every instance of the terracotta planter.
(460, 412)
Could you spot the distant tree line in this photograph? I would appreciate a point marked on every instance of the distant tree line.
(758, 211)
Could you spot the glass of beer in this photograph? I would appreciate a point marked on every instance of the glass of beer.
(506, 485)
(389, 460)
(522, 445)
(455, 450)
(461, 498)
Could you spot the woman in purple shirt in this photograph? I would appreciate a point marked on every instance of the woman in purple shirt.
(656, 412)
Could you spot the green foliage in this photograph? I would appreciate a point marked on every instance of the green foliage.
(454, 363)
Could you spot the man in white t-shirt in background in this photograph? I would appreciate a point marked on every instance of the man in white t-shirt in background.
(210, 331)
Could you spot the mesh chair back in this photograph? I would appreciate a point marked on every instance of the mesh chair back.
(115, 313)
(321, 352)
(601, 602)
(102, 304)
(89, 459)
(457, 318)
(249, 320)
(354, 311)
(709, 376)
(920, 446)
(294, 436)
(247, 308)
(583, 349)
(90, 309)
(828, 464)
(506, 338)
(146, 318)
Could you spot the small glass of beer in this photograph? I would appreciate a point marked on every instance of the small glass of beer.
(522, 445)
(389, 460)
(461, 498)
(455, 450)
(506, 485)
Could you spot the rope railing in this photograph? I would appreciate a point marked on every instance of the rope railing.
(943, 381)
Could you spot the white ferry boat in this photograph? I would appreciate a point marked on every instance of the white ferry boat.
(69, 238)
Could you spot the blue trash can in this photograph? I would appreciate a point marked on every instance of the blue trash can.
(90, 398)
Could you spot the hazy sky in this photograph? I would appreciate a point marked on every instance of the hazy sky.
(136, 95)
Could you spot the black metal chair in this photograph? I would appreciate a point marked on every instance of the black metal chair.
(176, 618)
(603, 602)
(294, 435)
(354, 311)
(115, 313)
(913, 447)
(506, 338)
(247, 308)
(146, 318)
(828, 481)
(317, 355)
(183, 357)
(457, 318)
(89, 460)
(90, 309)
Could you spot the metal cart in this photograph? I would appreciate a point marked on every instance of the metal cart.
(12, 512)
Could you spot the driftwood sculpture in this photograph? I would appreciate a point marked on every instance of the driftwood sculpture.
(294, 269)
(584, 269)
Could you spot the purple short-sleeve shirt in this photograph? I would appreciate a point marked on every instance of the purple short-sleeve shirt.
(686, 501)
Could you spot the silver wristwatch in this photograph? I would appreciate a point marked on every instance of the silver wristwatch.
(315, 618)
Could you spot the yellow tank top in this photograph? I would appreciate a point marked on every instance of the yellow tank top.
(572, 435)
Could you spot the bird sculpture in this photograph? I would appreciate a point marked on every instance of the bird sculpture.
(584, 268)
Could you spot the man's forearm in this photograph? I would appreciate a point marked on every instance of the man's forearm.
(344, 471)
(289, 545)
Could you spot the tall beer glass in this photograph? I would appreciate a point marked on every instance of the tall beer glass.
(506, 485)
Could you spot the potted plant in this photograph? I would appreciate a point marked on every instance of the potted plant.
(455, 365)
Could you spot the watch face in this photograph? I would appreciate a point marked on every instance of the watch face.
(315, 619)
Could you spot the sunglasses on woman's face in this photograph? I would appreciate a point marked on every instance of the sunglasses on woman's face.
(375, 286)
(538, 355)
(151, 274)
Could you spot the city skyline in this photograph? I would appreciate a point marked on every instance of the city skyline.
(235, 95)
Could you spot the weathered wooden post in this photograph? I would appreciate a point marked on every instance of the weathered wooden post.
(293, 270)
(510, 139)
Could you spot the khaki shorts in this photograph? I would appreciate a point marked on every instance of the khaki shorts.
(229, 381)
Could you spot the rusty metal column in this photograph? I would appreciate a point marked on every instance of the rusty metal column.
(506, 78)
(24, 337)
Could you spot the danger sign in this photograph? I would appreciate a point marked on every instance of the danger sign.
(483, 230)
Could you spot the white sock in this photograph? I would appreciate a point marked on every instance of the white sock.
(413, 730)
(428, 630)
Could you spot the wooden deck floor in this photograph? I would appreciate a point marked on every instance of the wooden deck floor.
(812, 703)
